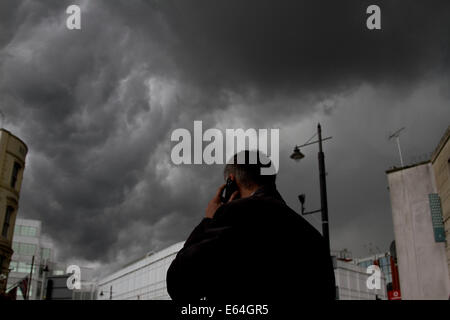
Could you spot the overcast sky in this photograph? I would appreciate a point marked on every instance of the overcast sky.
(97, 107)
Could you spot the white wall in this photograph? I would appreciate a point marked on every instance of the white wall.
(422, 262)
(144, 279)
(351, 281)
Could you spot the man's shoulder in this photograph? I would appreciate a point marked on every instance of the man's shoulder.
(253, 204)
(255, 208)
(269, 211)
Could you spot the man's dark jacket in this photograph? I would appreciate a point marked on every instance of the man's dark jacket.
(254, 249)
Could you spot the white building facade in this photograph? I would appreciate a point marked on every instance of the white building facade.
(28, 242)
(351, 282)
(421, 256)
(144, 279)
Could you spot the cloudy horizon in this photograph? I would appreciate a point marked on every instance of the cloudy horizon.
(97, 107)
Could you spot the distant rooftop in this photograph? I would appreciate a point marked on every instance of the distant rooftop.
(9, 132)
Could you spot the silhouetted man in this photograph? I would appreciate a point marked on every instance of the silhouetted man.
(254, 248)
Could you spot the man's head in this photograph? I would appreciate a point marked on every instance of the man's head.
(245, 168)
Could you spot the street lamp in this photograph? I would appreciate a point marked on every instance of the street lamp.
(297, 155)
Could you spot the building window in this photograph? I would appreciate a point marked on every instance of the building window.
(24, 267)
(9, 212)
(15, 174)
(31, 232)
(26, 231)
(45, 253)
(26, 249)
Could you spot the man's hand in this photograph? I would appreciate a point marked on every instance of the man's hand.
(215, 202)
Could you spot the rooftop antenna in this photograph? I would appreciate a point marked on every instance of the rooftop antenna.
(396, 135)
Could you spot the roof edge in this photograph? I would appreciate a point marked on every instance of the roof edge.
(395, 169)
(441, 144)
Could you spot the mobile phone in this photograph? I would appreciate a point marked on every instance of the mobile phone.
(230, 187)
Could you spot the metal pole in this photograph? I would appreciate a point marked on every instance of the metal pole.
(44, 273)
(323, 192)
(399, 150)
(110, 293)
(31, 277)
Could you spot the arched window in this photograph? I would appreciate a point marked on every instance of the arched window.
(15, 174)
(9, 213)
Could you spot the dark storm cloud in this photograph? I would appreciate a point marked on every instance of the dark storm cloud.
(304, 45)
(97, 106)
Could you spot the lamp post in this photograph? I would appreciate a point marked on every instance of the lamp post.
(297, 156)
(45, 269)
(31, 279)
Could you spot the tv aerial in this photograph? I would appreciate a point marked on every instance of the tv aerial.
(396, 135)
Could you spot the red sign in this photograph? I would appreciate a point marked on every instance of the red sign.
(394, 295)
